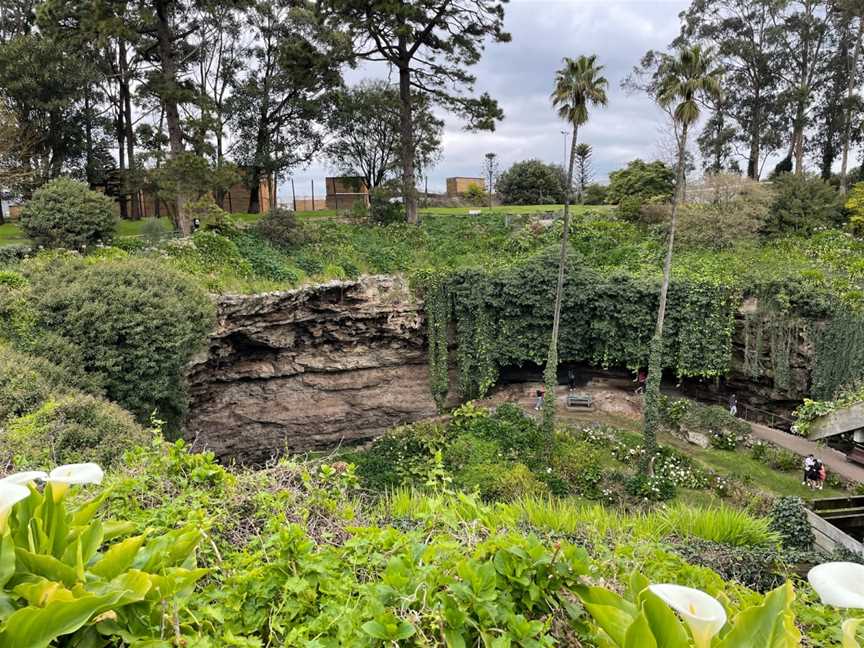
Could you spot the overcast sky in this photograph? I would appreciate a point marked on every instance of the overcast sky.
(520, 75)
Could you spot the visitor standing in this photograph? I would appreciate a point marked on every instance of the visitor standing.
(821, 475)
(809, 470)
(641, 377)
(571, 378)
(733, 405)
(538, 404)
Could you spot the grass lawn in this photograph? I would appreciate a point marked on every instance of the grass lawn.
(740, 466)
(10, 233)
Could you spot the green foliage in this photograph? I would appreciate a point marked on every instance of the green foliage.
(643, 619)
(721, 525)
(73, 429)
(642, 180)
(655, 488)
(282, 228)
(26, 381)
(266, 260)
(532, 182)
(839, 354)
(855, 207)
(594, 194)
(476, 195)
(775, 457)
(66, 213)
(385, 206)
(802, 204)
(576, 468)
(437, 322)
(722, 225)
(154, 231)
(503, 318)
(133, 323)
(69, 575)
(790, 521)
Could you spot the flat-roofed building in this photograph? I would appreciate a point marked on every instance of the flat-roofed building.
(459, 185)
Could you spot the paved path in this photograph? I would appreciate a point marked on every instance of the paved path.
(834, 460)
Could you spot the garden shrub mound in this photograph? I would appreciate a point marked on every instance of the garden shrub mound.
(66, 213)
(27, 381)
(129, 325)
(75, 428)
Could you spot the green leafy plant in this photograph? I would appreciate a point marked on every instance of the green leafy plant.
(67, 574)
(66, 213)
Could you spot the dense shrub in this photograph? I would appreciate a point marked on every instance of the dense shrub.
(26, 381)
(66, 213)
(405, 455)
(532, 182)
(790, 521)
(501, 482)
(281, 227)
(642, 180)
(575, 468)
(775, 456)
(134, 323)
(266, 260)
(594, 194)
(802, 204)
(385, 206)
(755, 567)
(311, 265)
(724, 224)
(12, 254)
(656, 488)
(73, 429)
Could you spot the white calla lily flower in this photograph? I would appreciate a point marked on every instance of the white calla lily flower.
(62, 477)
(10, 495)
(702, 613)
(840, 584)
(24, 478)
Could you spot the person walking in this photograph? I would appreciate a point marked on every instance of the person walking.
(538, 403)
(733, 405)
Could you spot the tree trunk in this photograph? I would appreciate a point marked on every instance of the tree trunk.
(755, 140)
(126, 94)
(655, 359)
(406, 134)
(550, 374)
(122, 197)
(255, 190)
(847, 127)
(169, 103)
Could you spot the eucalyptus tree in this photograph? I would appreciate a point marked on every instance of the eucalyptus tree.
(431, 44)
(683, 80)
(745, 34)
(855, 10)
(578, 86)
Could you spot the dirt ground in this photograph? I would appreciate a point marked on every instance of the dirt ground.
(612, 400)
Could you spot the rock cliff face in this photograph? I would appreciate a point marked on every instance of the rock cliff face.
(310, 368)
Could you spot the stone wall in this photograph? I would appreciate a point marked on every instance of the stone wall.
(309, 369)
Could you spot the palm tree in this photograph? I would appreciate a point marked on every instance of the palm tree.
(682, 81)
(577, 85)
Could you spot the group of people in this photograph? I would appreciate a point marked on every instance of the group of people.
(814, 473)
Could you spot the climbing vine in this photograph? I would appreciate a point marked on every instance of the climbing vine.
(437, 323)
(839, 354)
(503, 318)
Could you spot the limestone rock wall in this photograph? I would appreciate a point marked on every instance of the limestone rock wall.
(310, 368)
